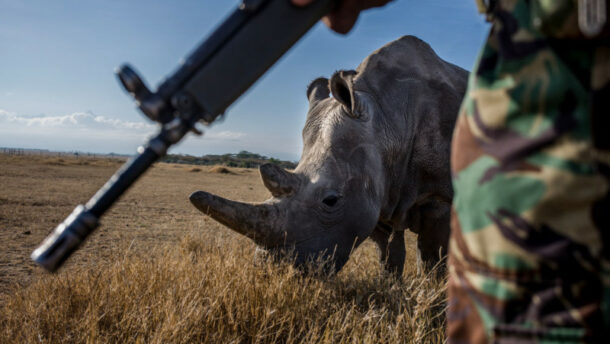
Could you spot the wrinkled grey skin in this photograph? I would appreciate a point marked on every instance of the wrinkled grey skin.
(375, 162)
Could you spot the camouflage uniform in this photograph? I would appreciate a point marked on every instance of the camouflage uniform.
(529, 254)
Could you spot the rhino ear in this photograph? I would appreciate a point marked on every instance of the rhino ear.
(277, 180)
(317, 90)
(341, 86)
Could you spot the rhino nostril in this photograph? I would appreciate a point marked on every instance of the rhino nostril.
(330, 201)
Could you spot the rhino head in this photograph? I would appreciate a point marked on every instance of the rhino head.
(330, 203)
(375, 162)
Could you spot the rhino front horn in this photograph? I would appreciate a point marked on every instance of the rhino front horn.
(252, 220)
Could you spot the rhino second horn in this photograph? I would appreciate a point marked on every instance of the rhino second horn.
(251, 220)
(278, 181)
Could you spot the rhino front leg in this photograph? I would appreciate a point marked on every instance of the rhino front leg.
(391, 246)
(433, 236)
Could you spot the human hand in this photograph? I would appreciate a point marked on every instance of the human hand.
(343, 18)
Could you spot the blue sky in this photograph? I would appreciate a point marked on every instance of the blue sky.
(58, 90)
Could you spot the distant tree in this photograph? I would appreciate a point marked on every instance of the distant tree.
(241, 159)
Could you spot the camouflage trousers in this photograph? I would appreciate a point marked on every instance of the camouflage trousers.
(529, 255)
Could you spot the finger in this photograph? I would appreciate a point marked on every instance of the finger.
(343, 19)
(340, 25)
(301, 2)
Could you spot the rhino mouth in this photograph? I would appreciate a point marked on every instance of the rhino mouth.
(308, 262)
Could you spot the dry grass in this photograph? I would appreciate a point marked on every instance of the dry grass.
(159, 272)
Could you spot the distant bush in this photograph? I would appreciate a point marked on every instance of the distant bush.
(220, 169)
(242, 159)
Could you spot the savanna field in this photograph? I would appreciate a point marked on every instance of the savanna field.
(158, 271)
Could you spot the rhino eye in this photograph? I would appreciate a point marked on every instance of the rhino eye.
(330, 200)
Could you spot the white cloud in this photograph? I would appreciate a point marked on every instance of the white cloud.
(75, 120)
(225, 135)
(84, 131)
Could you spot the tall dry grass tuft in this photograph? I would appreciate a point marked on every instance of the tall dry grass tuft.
(206, 290)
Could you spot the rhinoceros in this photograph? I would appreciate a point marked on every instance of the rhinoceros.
(375, 162)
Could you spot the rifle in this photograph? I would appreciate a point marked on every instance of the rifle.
(249, 41)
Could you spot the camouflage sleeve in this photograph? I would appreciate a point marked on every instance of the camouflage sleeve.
(529, 257)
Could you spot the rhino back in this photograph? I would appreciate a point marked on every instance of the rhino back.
(419, 95)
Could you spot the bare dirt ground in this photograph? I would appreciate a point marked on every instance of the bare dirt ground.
(158, 271)
(37, 193)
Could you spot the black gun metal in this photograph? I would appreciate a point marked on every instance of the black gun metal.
(245, 45)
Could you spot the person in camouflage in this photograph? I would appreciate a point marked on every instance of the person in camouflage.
(529, 256)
